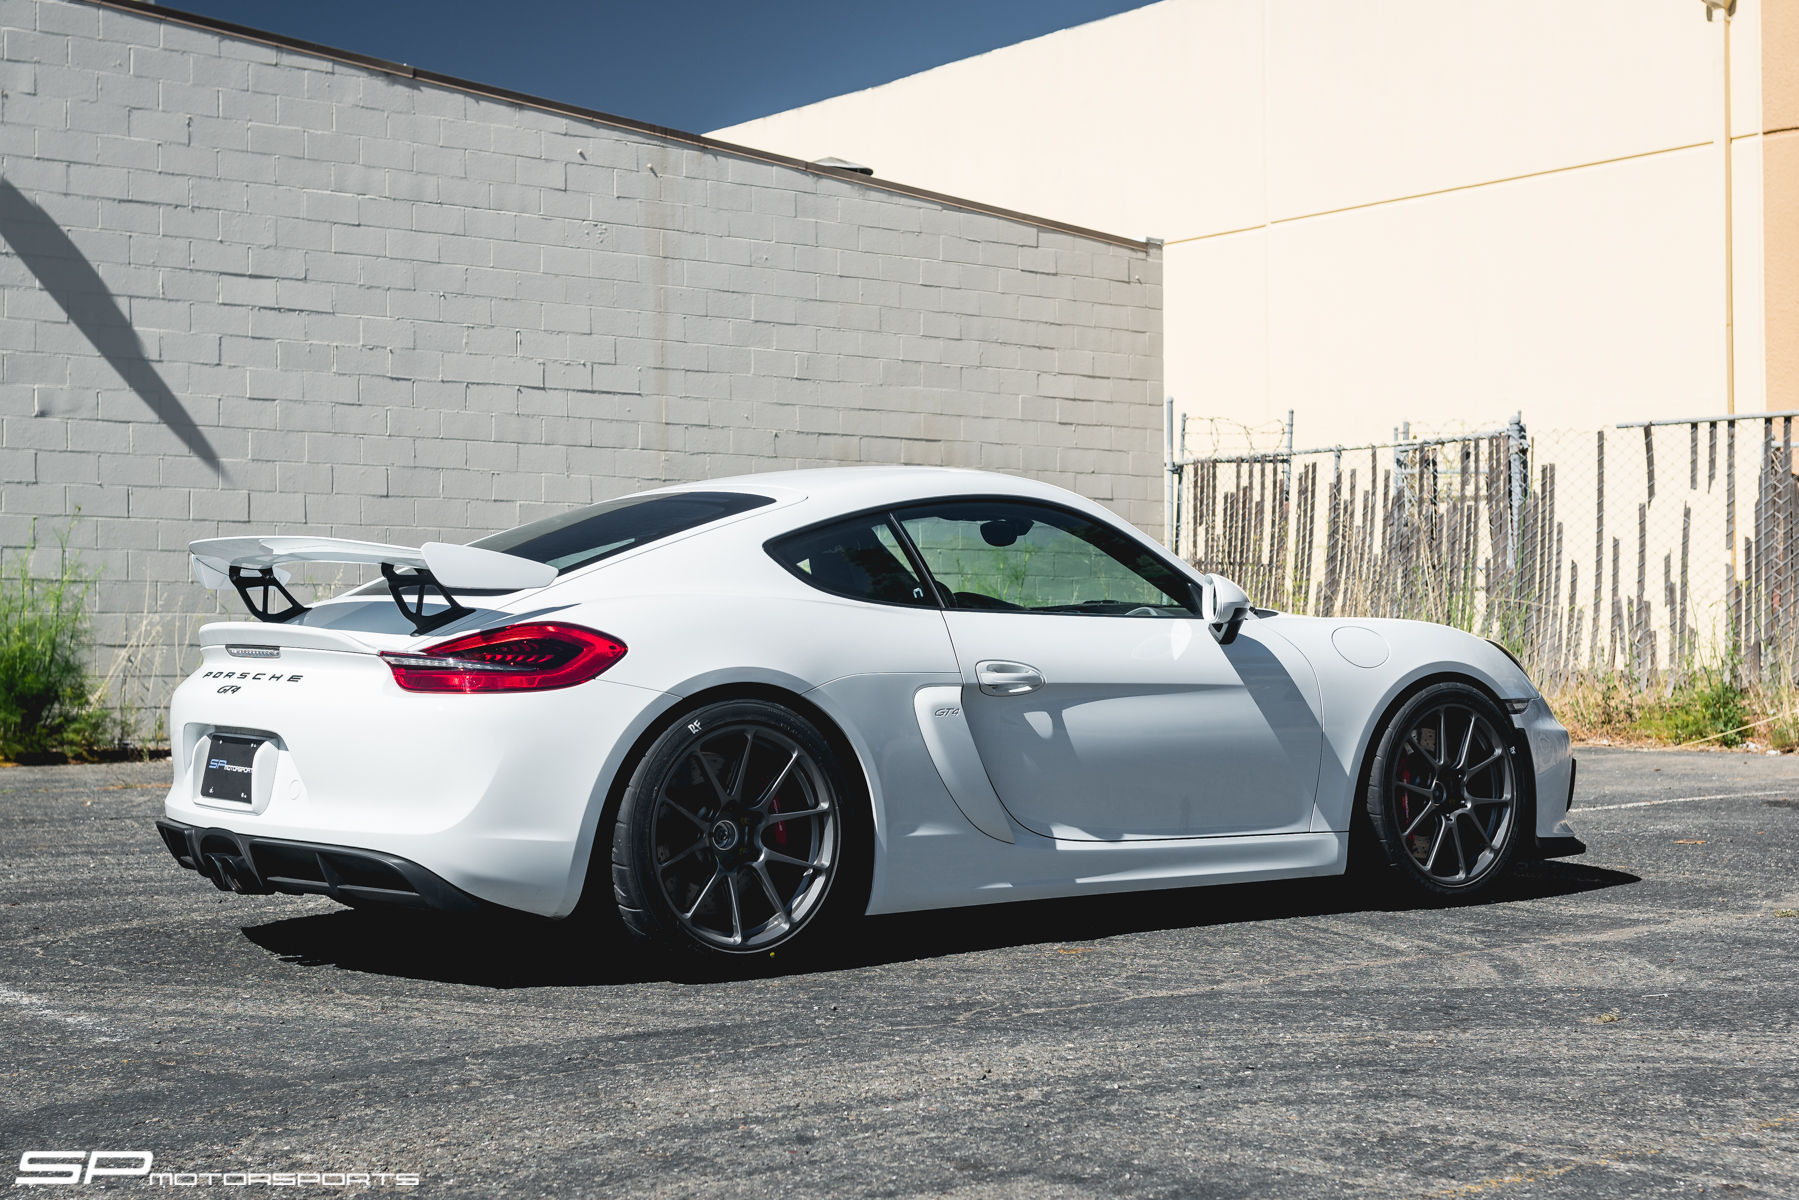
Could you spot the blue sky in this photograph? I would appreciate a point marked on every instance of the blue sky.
(693, 65)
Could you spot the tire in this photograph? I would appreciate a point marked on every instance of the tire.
(1444, 797)
(739, 833)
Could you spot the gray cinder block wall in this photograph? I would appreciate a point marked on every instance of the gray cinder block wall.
(249, 287)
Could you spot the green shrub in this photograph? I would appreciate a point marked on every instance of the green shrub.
(47, 701)
(1708, 705)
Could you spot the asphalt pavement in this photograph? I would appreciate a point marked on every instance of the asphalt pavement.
(1617, 1025)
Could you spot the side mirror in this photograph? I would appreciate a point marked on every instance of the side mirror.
(1225, 606)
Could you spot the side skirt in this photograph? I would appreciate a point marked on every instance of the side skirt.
(945, 871)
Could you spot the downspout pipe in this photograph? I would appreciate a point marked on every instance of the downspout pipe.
(1725, 10)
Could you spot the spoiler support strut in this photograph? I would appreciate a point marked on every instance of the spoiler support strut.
(418, 580)
(265, 582)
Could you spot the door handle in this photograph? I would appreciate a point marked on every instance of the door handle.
(1000, 678)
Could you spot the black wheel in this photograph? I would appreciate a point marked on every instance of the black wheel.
(1443, 792)
(738, 832)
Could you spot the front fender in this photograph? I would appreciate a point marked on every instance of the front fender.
(1363, 672)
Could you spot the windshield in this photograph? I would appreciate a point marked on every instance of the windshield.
(587, 535)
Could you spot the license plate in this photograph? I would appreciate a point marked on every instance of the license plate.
(228, 768)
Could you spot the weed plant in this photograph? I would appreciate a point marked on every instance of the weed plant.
(48, 704)
(1709, 706)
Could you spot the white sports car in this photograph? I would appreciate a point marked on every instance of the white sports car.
(761, 707)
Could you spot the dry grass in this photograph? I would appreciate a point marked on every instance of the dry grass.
(1710, 711)
(1780, 708)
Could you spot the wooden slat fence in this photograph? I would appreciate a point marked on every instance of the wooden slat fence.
(1489, 532)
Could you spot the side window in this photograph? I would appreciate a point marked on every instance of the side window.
(859, 557)
(999, 554)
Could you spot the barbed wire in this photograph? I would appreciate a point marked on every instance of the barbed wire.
(1222, 435)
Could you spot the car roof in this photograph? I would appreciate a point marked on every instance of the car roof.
(846, 489)
(808, 497)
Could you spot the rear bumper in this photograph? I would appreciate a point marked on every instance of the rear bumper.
(498, 796)
(239, 863)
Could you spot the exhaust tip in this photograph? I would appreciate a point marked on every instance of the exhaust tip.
(231, 873)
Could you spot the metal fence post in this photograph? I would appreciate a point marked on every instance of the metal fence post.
(1514, 434)
(1169, 486)
(1178, 468)
(1287, 463)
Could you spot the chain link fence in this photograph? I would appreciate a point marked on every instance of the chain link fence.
(1649, 551)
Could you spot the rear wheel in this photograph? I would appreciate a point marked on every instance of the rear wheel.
(1443, 792)
(737, 833)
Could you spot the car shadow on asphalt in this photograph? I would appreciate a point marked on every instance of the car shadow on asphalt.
(522, 952)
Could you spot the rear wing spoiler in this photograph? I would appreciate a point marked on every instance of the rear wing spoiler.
(255, 567)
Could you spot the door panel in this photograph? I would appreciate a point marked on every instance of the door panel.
(1142, 727)
(1100, 704)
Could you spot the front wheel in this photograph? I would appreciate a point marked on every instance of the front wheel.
(738, 831)
(1443, 793)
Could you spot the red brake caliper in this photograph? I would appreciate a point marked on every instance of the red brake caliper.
(780, 829)
(1405, 799)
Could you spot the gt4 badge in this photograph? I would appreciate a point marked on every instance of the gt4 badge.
(228, 688)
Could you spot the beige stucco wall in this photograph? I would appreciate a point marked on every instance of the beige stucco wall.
(1380, 212)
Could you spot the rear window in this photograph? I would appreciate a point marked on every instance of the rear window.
(587, 535)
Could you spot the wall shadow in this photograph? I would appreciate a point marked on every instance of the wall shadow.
(521, 952)
(65, 272)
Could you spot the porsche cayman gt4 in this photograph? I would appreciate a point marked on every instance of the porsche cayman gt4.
(750, 710)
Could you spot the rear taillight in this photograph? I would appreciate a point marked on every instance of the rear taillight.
(516, 658)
